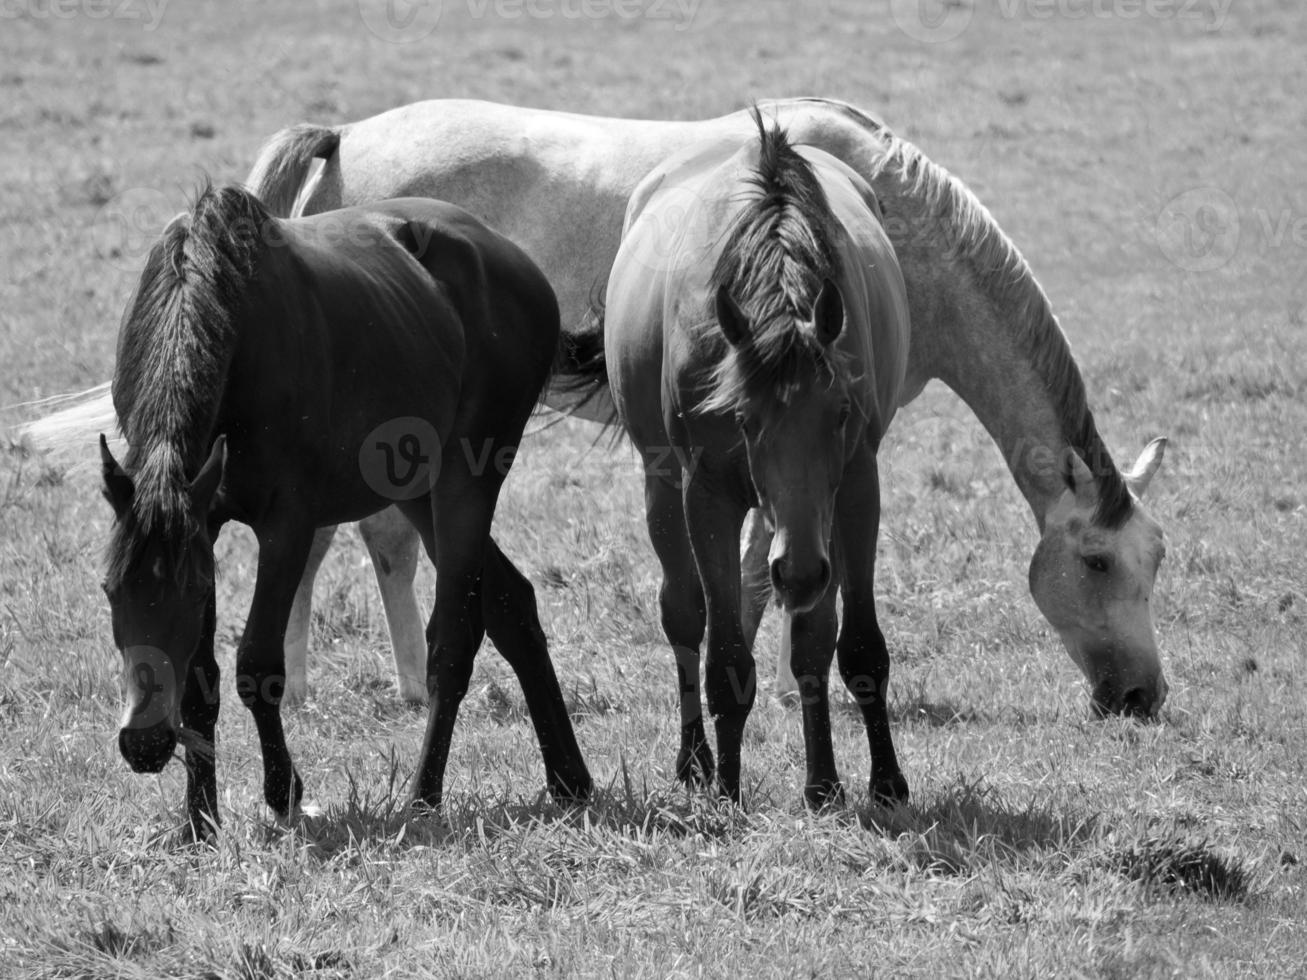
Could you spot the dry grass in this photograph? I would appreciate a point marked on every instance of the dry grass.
(1038, 843)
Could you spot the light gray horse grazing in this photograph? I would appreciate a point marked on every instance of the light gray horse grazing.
(558, 185)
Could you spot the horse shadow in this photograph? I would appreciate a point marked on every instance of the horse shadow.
(956, 828)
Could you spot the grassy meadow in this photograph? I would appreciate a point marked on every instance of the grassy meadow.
(1147, 159)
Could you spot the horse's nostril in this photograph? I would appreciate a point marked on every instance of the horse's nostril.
(1137, 703)
(147, 749)
(779, 571)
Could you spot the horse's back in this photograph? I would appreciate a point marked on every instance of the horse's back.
(474, 261)
(659, 312)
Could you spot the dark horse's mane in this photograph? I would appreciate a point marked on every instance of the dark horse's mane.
(773, 264)
(174, 348)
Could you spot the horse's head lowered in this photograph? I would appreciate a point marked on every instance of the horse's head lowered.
(1092, 577)
(160, 587)
(792, 420)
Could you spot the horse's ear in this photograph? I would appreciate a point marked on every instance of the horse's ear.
(1140, 475)
(734, 324)
(206, 482)
(1080, 479)
(828, 313)
(118, 487)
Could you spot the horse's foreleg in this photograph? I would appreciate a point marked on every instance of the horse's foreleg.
(681, 605)
(260, 659)
(714, 522)
(813, 642)
(509, 609)
(392, 543)
(199, 715)
(301, 614)
(863, 656)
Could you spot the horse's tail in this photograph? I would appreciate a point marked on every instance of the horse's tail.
(68, 435)
(283, 164)
(580, 374)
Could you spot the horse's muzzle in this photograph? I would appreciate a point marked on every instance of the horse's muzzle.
(1136, 702)
(799, 592)
(147, 750)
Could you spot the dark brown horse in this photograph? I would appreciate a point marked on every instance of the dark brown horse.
(290, 374)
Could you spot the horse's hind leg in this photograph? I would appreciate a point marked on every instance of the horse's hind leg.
(509, 608)
(755, 578)
(392, 543)
(755, 590)
(301, 613)
(455, 525)
(684, 615)
(714, 520)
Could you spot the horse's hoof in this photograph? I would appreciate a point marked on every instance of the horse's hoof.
(888, 790)
(307, 809)
(694, 767)
(412, 692)
(824, 796)
(284, 800)
(729, 792)
(195, 833)
(571, 792)
(426, 805)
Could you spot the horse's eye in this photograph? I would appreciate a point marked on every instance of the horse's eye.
(742, 424)
(845, 411)
(1097, 563)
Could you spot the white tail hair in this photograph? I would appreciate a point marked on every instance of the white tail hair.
(68, 436)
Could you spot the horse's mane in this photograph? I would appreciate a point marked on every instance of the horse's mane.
(1007, 279)
(773, 263)
(174, 348)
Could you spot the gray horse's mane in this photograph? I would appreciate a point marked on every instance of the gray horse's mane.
(1006, 277)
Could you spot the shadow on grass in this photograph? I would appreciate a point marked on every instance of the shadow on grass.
(968, 824)
(387, 816)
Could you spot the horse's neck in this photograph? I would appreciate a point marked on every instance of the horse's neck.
(980, 347)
